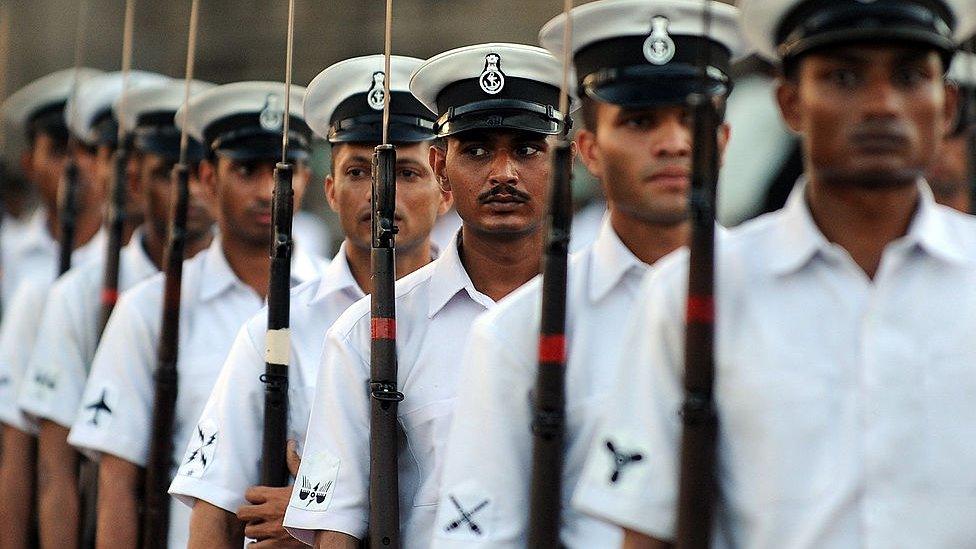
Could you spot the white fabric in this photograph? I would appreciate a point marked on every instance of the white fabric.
(68, 334)
(46, 91)
(846, 405)
(33, 253)
(435, 308)
(345, 79)
(488, 456)
(761, 20)
(445, 230)
(587, 223)
(312, 234)
(96, 94)
(214, 304)
(606, 19)
(166, 96)
(963, 69)
(22, 319)
(236, 405)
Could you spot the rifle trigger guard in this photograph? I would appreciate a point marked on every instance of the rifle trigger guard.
(274, 381)
(384, 391)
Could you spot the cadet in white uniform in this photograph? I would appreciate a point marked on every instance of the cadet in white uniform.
(952, 176)
(342, 106)
(37, 110)
(495, 162)
(844, 357)
(68, 332)
(222, 287)
(638, 142)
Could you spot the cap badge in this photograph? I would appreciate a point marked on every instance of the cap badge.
(376, 96)
(659, 47)
(273, 114)
(492, 79)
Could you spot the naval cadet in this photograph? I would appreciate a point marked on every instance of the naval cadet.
(952, 176)
(844, 322)
(241, 125)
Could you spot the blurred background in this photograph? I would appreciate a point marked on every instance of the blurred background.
(245, 40)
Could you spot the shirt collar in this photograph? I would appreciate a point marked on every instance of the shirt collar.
(610, 262)
(798, 239)
(136, 256)
(337, 277)
(36, 235)
(449, 278)
(217, 275)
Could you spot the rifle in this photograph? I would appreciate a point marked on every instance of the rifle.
(155, 527)
(384, 486)
(68, 215)
(548, 425)
(698, 484)
(274, 466)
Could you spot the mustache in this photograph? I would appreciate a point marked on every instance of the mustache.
(504, 189)
(881, 128)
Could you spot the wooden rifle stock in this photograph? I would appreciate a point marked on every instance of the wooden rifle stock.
(274, 465)
(155, 527)
(697, 485)
(68, 215)
(384, 490)
(116, 228)
(548, 425)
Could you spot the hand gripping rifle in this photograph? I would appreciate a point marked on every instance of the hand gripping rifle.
(155, 528)
(548, 425)
(698, 485)
(274, 466)
(384, 489)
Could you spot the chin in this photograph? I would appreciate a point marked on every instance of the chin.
(874, 177)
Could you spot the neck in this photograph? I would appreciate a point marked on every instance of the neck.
(407, 261)
(649, 242)
(862, 221)
(155, 243)
(251, 264)
(498, 266)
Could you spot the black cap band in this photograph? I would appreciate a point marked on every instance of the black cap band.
(355, 121)
(617, 71)
(49, 120)
(243, 137)
(818, 23)
(106, 129)
(522, 104)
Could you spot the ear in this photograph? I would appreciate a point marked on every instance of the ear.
(724, 134)
(438, 161)
(26, 164)
(330, 192)
(447, 202)
(208, 176)
(788, 99)
(585, 143)
(951, 108)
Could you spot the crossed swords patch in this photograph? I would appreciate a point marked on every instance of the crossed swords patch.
(621, 460)
(466, 517)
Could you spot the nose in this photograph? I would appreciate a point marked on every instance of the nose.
(266, 186)
(673, 138)
(503, 170)
(881, 98)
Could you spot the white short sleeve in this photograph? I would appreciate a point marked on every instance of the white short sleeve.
(332, 489)
(17, 337)
(116, 408)
(631, 472)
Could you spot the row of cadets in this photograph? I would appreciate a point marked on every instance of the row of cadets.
(844, 358)
(344, 105)
(240, 126)
(92, 134)
(68, 333)
(952, 176)
(636, 64)
(496, 107)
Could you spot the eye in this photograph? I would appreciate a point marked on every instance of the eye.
(357, 173)
(910, 76)
(408, 173)
(528, 150)
(245, 171)
(476, 152)
(843, 78)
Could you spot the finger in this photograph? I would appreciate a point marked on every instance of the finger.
(251, 513)
(294, 460)
(259, 531)
(256, 494)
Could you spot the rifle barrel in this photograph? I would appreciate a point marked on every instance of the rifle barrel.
(116, 229)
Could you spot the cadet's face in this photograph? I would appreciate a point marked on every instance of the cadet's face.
(419, 200)
(156, 182)
(870, 116)
(499, 179)
(91, 191)
(643, 158)
(44, 165)
(242, 193)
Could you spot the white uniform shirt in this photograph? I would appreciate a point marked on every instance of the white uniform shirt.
(235, 409)
(435, 308)
(19, 329)
(445, 229)
(68, 334)
(116, 410)
(28, 252)
(847, 406)
(488, 457)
